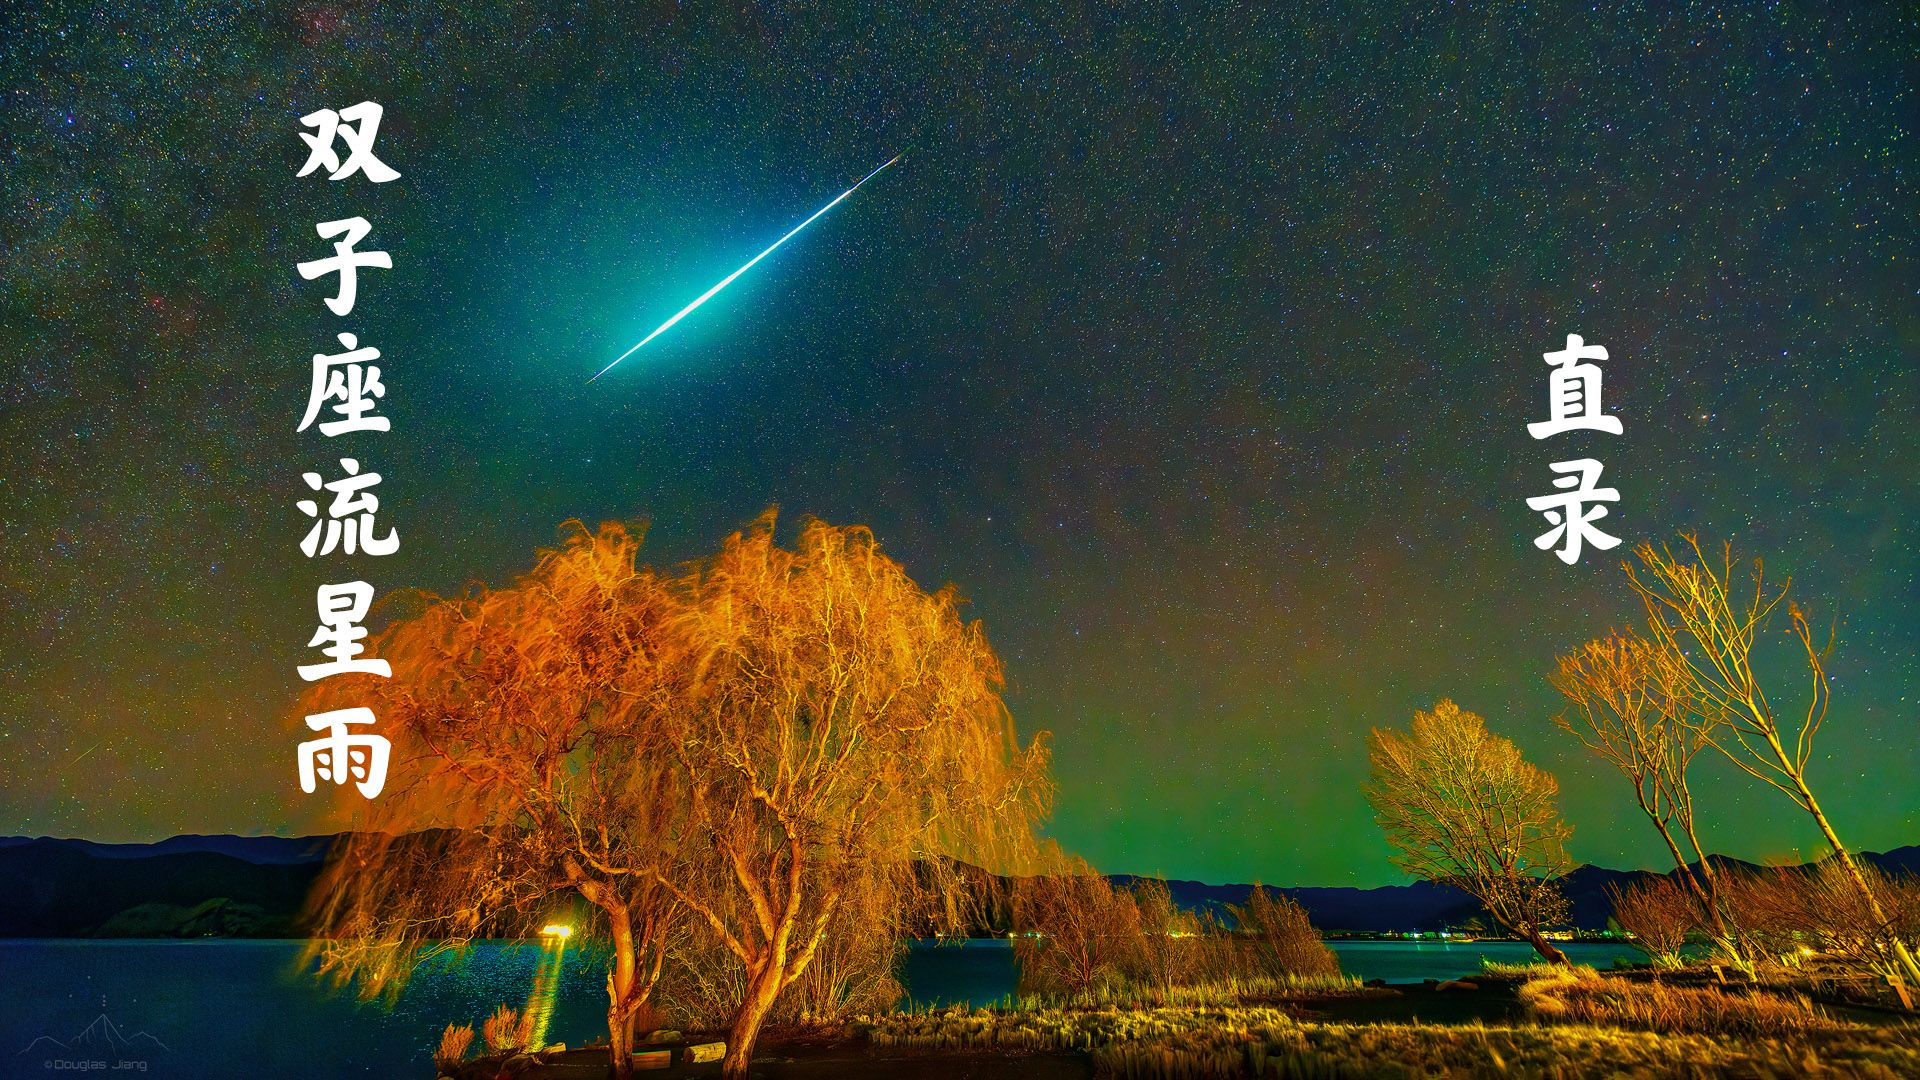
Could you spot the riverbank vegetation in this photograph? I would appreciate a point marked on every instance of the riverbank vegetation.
(1712, 670)
(748, 781)
(747, 777)
(1581, 1025)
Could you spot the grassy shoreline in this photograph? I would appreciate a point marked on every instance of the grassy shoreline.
(1568, 1024)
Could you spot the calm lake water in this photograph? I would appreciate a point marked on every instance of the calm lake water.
(217, 1008)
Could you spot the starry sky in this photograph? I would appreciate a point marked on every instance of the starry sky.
(1197, 351)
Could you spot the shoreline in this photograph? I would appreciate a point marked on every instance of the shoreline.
(1468, 1027)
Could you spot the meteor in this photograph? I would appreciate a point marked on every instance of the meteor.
(728, 280)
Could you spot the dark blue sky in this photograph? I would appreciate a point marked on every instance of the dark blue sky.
(1198, 353)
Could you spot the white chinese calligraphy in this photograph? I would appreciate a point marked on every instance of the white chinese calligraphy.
(341, 530)
(1568, 511)
(1574, 405)
(356, 384)
(345, 261)
(340, 633)
(358, 135)
(341, 755)
(344, 398)
(1573, 398)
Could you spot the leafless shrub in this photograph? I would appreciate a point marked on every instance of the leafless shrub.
(1170, 951)
(1816, 916)
(1281, 940)
(1659, 912)
(1078, 933)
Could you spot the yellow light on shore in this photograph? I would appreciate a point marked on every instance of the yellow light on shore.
(556, 930)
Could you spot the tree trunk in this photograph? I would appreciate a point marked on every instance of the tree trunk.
(1547, 950)
(1703, 885)
(619, 1045)
(1726, 932)
(762, 989)
(1687, 875)
(621, 1000)
(1901, 951)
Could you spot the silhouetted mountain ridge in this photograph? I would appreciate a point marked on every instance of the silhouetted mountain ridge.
(1422, 905)
(254, 886)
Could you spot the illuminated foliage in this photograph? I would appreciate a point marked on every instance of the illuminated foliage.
(1461, 807)
(530, 728)
(843, 731)
(742, 764)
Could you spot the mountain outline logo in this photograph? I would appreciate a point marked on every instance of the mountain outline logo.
(99, 1039)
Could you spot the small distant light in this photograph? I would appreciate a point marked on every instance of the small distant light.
(556, 930)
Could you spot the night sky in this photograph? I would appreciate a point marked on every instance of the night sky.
(1198, 352)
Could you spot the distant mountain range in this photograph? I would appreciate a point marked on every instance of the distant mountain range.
(1426, 906)
(254, 886)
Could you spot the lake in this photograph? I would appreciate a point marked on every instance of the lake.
(226, 1008)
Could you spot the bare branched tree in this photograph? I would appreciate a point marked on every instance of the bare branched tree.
(528, 767)
(843, 730)
(1633, 704)
(1461, 807)
(1700, 618)
(1079, 934)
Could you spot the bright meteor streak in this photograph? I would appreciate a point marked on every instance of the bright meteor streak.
(728, 280)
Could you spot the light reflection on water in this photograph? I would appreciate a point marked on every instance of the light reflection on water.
(538, 1013)
(982, 972)
(231, 1008)
(235, 1008)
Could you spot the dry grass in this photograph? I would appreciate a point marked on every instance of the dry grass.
(1182, 1043)
(454, 1043)
(1217, 992)
(1527, 970)
(506, 1030)
(1234, 990)
(1583, 996)
(1059, 1029)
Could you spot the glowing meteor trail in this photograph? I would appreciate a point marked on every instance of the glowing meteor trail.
(728, 280)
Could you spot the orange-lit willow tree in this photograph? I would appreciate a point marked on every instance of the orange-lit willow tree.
(846, 733)
(742, 754)
(533, 731)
